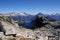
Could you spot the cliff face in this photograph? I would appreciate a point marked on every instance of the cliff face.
(47, 30)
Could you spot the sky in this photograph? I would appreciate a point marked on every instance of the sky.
(30, 6)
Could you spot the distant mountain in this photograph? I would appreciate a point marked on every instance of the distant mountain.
(16, 14)
(54, 16)
(40, 14)
(21, 16)
(46, 16)
(50, 17)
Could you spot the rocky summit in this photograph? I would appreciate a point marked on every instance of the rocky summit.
(45, 29)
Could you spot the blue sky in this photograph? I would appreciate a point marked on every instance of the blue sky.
(30, 6)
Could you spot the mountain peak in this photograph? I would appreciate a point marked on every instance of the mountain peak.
(40, 13)
(23, 14)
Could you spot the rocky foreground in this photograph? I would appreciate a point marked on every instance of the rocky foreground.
(9, 30)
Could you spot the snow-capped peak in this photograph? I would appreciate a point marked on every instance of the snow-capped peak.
(23, 14)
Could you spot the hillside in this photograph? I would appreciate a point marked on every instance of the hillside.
(46, 29)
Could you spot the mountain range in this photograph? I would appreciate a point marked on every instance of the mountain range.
(26, 16)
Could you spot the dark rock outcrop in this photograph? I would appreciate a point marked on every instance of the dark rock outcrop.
(41, 21)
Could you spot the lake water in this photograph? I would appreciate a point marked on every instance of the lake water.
(28, 25)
